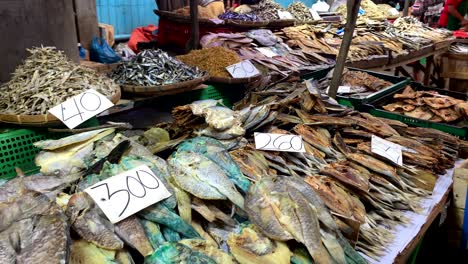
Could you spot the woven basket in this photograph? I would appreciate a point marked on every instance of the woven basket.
(42, 120)
(229, 80)
(246, 24)
(165, 89)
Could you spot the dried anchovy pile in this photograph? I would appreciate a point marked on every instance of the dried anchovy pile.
(213, 60)
(300, 11)
(267, 10)
(238, 16)
(154, 68)
(47, 78)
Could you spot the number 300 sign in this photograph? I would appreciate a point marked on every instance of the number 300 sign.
(126, 193)
(80, 108)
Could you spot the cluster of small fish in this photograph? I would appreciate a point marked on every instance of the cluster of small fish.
(414, 34)
(360, 83)
(154, 68)
(300, 11)
(371, 10)
(230, 15)
(47, 78)
(267, 10)
(428, 105)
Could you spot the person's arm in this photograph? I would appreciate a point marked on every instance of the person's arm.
(454, 12)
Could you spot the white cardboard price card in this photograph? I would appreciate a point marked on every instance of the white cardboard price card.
(125, 194)
(267, 52)
(279, 142)
(387, 149)
(80, 108)
(285, 15)
(243, 69)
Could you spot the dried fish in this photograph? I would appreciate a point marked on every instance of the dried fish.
(154, 68)
(47, 78)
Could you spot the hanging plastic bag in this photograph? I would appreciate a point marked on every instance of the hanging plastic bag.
(101, 52)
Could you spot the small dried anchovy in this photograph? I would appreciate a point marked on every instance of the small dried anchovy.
(47, 78)
(267, 10)
(154, 68)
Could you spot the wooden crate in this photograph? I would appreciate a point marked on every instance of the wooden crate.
(457, 211)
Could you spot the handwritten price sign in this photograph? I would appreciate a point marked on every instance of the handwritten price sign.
(387, 149)
(80, 108)
(127, 193)
(279, 142)
(243, 69)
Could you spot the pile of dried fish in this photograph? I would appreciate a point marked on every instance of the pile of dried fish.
(267, 10)
(154, 68)
(428, 105)
(461, 48)
(307, 39)
(411, 32)
(213, 60)
(47, 78)
(226, 40)
(230, 15)
(300, 11)
(371, 10)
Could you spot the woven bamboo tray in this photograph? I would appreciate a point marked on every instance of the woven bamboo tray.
(165, 89)
(282, 23)
(42, 120)
(229, 80)
(246, 24)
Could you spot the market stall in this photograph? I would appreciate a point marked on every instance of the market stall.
(262, 146)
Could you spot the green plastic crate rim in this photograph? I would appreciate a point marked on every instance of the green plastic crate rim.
(17, 149)
(229, 94)
(398, 82)
(371, 107)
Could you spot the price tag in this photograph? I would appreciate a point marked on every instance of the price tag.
(267, 52)
(387, 149)
(243, 69)
(341, 89)
(279, 142)
(80, 108)
(285, 15)
(217, 21)
(127, 193)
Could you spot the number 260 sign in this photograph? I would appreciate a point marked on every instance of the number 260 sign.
(80, 108)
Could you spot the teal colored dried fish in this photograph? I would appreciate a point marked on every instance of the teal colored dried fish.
(215, 151)
(198, 171)
(153, 233)
(162, 215)
(169, 234)
(176, 253)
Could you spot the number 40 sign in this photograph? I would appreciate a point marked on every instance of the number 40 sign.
(80, 108)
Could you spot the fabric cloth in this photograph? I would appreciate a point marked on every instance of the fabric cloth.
(453, 22)
(141, 34)
(428, 11)
(444, 17)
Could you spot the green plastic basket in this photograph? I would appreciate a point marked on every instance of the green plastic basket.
(17, 149)
(375, 108)
(228, 93)
(355, 102)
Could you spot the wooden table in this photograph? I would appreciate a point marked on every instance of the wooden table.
(404, 255)
(397, 64)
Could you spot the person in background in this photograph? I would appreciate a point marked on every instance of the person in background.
(453, 14)
(428, 11)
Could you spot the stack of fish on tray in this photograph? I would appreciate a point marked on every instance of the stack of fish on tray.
(230, 202)
(154, 68)
(300, 11)
(415, 35)
(428, 105)
(308, 39)
(360, 83)
(282, 59)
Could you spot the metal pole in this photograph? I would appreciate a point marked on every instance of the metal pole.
(351, 17)
(405, 10)
(194, 40)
